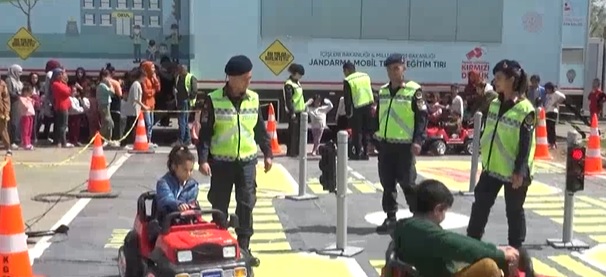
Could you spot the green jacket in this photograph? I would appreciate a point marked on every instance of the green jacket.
(435, 252)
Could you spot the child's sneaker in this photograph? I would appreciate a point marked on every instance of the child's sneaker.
(29, 147)
(68, 145)
(14, 146)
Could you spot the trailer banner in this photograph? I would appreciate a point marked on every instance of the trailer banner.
(336, 58)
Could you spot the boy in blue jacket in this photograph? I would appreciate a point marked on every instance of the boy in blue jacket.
(177, 190)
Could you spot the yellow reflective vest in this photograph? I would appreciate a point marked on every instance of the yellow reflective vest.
(361, 89)
(233, 131)
(396, 117)
(298, 102)
(500, 142)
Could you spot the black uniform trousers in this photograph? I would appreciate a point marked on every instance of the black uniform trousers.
(360, 128)
(292, 150)
(485, 194)
(396, 164)
(242, 175)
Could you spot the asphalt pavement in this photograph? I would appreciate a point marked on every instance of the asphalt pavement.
(288, 232)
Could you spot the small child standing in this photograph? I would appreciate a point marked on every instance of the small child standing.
(27, 113)
(76, 113)
(318, 108)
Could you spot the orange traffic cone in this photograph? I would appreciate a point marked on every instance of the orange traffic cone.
(542, 148)
(593, 157)
(98, 179)
(141, 145)
(272, 127)
(14, 252)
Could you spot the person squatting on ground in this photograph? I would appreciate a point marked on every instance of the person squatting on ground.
(318, 107)
(358, 96)
(507, 150)
(14, 86)
(177, 190)
(402, 125)
(231, 127)
(27, 113)
(5, 109)
(61, 93)
(294, 105)
(421, 242)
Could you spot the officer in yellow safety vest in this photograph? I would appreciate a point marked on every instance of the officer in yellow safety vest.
(507, 149)
(294, 105)
(357, 92)
(402, 121)
(231, 128)
(186, 90)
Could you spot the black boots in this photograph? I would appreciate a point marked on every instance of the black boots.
(244, 244)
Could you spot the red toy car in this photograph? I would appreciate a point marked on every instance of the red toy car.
(182, 244)
(438, 141)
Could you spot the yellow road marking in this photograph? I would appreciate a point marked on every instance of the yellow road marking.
(591, 201)
(582, 220)
(548, 205)
(575, 266)
(599, 239)
(577, 212)
(542, 268)
(378, 265)
(365, 187)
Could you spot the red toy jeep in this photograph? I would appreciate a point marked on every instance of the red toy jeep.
(181, 244)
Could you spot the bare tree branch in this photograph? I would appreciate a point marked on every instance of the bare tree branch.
(34, 3)
(17, 4)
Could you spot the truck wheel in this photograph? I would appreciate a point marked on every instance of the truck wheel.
(438, 147)
(133, 266)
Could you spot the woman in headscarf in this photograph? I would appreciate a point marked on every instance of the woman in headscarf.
(14, 86)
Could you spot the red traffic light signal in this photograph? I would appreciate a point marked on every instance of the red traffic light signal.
(577, 154)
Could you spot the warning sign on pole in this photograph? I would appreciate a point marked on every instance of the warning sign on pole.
(23, 43)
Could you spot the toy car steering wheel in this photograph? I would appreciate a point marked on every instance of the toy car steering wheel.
(190, 215)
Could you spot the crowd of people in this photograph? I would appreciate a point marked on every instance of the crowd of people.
(67, 111)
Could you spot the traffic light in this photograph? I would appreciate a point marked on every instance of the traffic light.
(328, 166)
(575, 169)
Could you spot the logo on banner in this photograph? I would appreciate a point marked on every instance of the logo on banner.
(533, 22)
(475, 62)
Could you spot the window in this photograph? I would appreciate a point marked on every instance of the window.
(154, 4)
(491, 27)
(424, 11)
(88, 4)
(382, 19)
(105, 4)
(154, 21)
(139, 20)
(329, 20)
(286, 17)
(106, 20)
(122, 4)
(138, 4)
(89, 19)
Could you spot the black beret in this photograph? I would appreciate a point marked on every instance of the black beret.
(238, 65)
(296, 68)
(506, 65)
(394, 58)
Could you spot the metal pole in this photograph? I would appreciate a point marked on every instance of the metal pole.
(342, 137)
(475, 152)
(341, 248)
(568, 217)
(302, 194)
(303, 154)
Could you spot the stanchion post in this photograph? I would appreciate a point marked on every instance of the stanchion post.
(303, 195)
(568, 241)
(475, 153)
(341, 248)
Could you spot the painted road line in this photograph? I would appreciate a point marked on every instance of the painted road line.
(44, 242)
(362, 184)
(117, 238)
(539, 267)
(575, 266)
(598, 238)
(557, 205)
(595, 257)
(316, 188)
(455, 175)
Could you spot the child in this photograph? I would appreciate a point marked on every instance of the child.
(76, 112)
(27, 113)
(317, 109)
(177, 190)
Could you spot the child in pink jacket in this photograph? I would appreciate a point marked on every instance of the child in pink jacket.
(27, 113)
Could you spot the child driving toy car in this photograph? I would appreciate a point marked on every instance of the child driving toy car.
(177, 190)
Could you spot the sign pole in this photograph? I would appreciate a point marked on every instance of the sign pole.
(303, 162)
(475, 153)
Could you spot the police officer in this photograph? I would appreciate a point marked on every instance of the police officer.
(232, 126)
(507, 150)
(295, 105)
(358, 98)
(402, 121)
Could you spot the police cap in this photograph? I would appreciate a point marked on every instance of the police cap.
(393, 59)
(238, 65)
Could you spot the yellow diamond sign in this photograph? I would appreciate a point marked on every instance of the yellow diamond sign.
(276, 57)
(23, 43)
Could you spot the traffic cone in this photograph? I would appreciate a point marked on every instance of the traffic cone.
(593, 157)
(272, 127)
(141, 145)
(542, 147)
(98, 179)
(14, 252)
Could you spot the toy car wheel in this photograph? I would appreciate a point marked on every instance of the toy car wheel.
(468, 147)
(150, 273)
(129, 258)
(438, 147)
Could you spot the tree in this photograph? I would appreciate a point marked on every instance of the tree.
(26, 7)
(597, 18)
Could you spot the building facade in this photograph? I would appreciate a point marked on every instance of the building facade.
(120, 16)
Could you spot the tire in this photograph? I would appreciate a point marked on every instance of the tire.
(468, 147)
(132, 257)
(438, 147)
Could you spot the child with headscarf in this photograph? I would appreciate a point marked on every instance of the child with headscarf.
(14, 86)
(5, 109)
